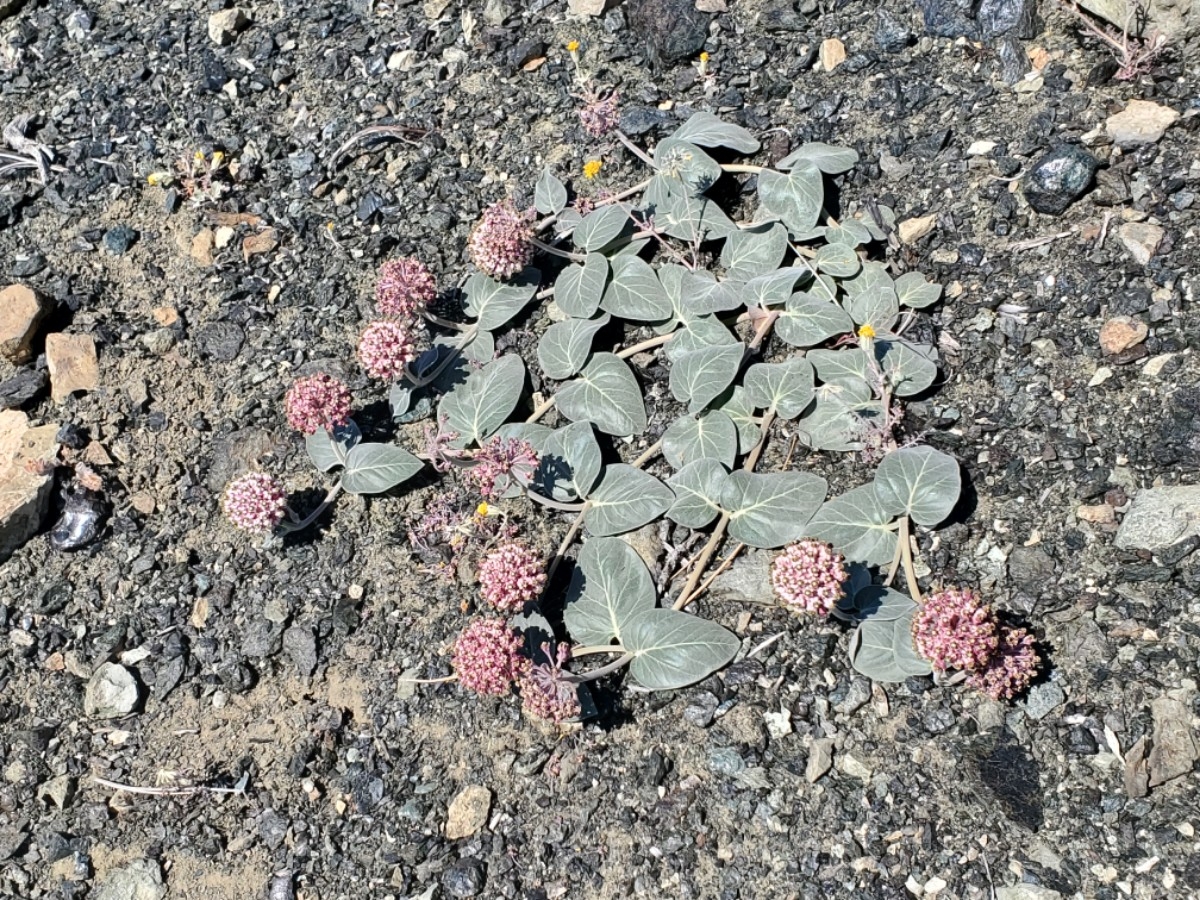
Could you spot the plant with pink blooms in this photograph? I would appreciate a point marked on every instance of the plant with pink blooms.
(808, 576)
(954, 629)
(404, 290)
(488, 657)
(511, 575)
(255, 502)
(502, 243)
(316, 402)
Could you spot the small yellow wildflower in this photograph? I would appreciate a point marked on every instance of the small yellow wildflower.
(217, 158)
(591, 168)
(866, 332)
(482, 509)
(154, 179)
(573, 47)
(703, 63)
(199, 157)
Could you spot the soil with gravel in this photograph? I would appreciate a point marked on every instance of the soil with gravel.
(278, 673)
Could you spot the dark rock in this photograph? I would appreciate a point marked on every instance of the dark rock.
(971, 254)
(997, 17)
(639, 120)
(746, 671)
(1132, 301)
(939, 721)
(891, 35)
(260, 639)
(219, 340)
(168, 677)
(670, 29)
(1059, 178)
(301, 646)
(118, 239)
(701, 710)
(1013, 60)
(779, 15)
(302, 163)
(1031, 568)
(72, 436)
(1081, 742)
(526, 51)
(370, 204)
(79, 524)
(273, 828)
(931, 145)
(466, 878)
(948, 18)
(21, 388)
(26, 266)
(1010, 772)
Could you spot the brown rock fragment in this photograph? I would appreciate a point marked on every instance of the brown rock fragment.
(20, 312)
(73, 364)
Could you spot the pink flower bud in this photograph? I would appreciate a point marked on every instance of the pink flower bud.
(255, 502)
(808, 575)
(510, 576)
(501, 244)
(385, 349)
(1011, 668)
(405, 287)
(487, 657)
(955, 630)
(318, 401)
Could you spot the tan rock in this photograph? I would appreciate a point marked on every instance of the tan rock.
(1122, 332)
(202, 247)
(912, 230)
(166, 316)
(833, 54)
(1142, 240)
(468, 812)
(585, 7)
(73, 364)
(1100, 514)
(1140, 122)
(20, 312)
(223, 26)
(263, 242)
(26, 477)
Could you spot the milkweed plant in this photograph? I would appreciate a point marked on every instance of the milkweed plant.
(661, 270)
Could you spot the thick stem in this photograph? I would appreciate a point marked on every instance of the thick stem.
(910, 573)
(465, 338)
(444, 323)
(649, 454)
(741, 168)
(554, 251)
(446, 679)
(288, 527)
(600, 648)
(541, 409)
(634, 148)
(648, 344)
(561, 552)
(597, 674)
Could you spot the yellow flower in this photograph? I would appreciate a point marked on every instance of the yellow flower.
(866, 332)
(155, 178)
(704, 56)
(482, 509)
(591, 168)
(217, 158)
(573, 47)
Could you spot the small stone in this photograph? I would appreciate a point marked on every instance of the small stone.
(998, 17)
(223, 26)
(301, 646)
(111, 692)
(1122, 332)
(981, 148)
(1140, 122)
(1059, 178)
(21, 309)
(219, 340)
(856, 697)
(1043, 699)
(891, 34)
(25, 478)
(466, 878)
(820, 760)
(1175, 749)
(670, 29)
(139, 880)
(1155, 365)
(1100, 514)
(1159, 518)
(700, 711)
(263, 242)
(912, 230)
(1031, 568)
(118, 239)
(1026, 891)
(202, 247)
(21, 388)
(854, 767)
(468, 812)
(159, 341)
(833, 54)
(1101, 375)
(73, 365)
(1142, 239)
(166, 316)
(225, 234)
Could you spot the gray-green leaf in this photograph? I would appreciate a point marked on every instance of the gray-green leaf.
(600, 227)
(807, 321)
(606, 394)
(755, 251)
(686, 163)
(580, 288)
(550, 194)
(625, 500)
(840, 366)
(771, 510)
(610, 588)
(480, 406)
(786, 387)
(711, 435)
(871, 298)
(375, 468)
(838, 260)
(796, 197)
(738, 406)
(493, 303)
(699, 377)
(915, 292)
(770, 289)
(707, 130)
(830, 160)
(857, 526)
(635, 292)
(568, 462)
(697, 334)
(564, 348)
(920, 482)
(698, 487)
(328, 451)
(680, 214)
(673, 649)
(882, 649)
(835, 422)
(909, 369)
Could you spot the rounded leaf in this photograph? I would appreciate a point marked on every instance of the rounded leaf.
(785, 387)
(611, 586)
(710, 435)
(625, 500)
(375, 468)
(494, 303)
(565, 347)
(478, 407)
(699, 377)
(673, 649)
(919, 482)
(698, 487)
(882, 649)
(606, 393)
(771, 510)
(580, 288)
(857, 526)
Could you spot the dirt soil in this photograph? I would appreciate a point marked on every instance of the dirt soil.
(351, 771)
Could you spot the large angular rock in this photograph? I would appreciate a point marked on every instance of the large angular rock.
(1160, 517)
(139, 880)
(20, 312)
(1140, 122)
(25, 478)
(73, 364)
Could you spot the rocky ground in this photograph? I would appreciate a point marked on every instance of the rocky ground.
(166, 318)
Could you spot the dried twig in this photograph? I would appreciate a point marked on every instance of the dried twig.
(394, 132)
(28, 153)
(182, 791)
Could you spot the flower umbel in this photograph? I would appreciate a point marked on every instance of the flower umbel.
(510, 576)
(591, 168)
(497, 461)
(808, 575)
(955, 630)
(319, 401)
(255, 502)
(1011, 668)
(487, 657)
(598, 116)
(405, 287)
(545, 694)
(502, 243)
(385, 348)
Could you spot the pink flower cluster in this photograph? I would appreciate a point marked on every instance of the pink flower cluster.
(599, 117)
(545, 693)
(957, 630)
(405, 287)
(255, 502)
(502, 243)
(1011, 669)
(510, 576)
(497, 460)
(487, 657)
(319, 401)
(808, 575)
(385, 348)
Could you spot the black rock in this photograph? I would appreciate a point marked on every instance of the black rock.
(891, 34)
(971, 254)
(119, 238)
(1132, 301)
(71, 436)
(1017, 17)
(639, 120)
(1031, 568)
(25, 266)
(370, 204)
(21, 388)
(670, 29)
(79, 524)
(1081, 742)
(1059, 178)
(1013, 60)
(778, 15)
(948, 18)
(219, 340)
(701, 710)
(466, 878)
(526, 51)
(931, 145)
